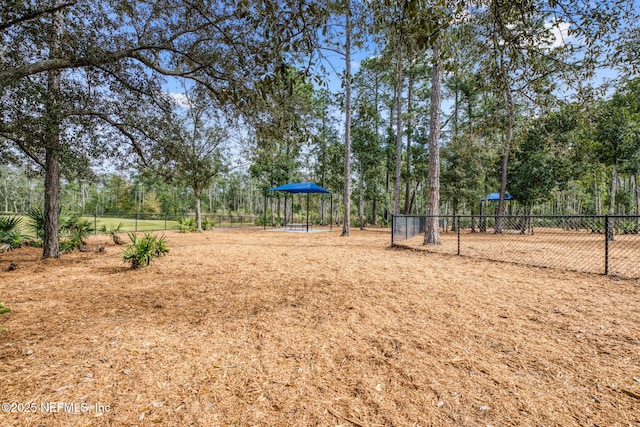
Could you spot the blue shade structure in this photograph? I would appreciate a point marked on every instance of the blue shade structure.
(300, 187)
(304, 188)
(494, 197)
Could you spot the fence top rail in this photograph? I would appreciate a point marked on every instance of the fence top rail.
(516, 216)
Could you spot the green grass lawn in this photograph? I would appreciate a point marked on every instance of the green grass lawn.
(24, 224)
(129, 224)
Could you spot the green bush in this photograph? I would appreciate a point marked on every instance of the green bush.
(206, 223)
(77, 229)
(3, 310)
(36, 222)
(187, 224)
(9, 233)
(143, 250)
(75, 242)
(73, 226)
(113, 232)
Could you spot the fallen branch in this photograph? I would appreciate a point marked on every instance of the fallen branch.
(631, 394)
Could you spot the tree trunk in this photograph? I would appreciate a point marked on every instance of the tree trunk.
(346, 227)
(374, 210)
(454, 210)
(432, 232)
(51, 247)
(397, 183)
(361, 199)
(6, 197)
(612, 202)
(635, 182)
(407, 191)
(505, 157)
(412, 201)
(614, 189)
(196, 193)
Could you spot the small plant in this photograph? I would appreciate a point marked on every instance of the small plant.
(36, 222)
(3, 310)
(113, 231)
(75, 242)
(70, 225)
(206, 224)
(9, 233)
(143, 250)
(187, 225)
(77, 229)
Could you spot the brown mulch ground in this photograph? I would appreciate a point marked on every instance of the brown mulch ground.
(581, 251)
(278, 329)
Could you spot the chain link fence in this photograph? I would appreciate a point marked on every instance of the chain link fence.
(606, 244)
(159, 222)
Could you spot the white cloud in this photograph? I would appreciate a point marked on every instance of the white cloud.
(560, 33)
(179, 99)
(355, 66)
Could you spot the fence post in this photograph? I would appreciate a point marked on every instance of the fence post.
(606, 245)
(406, 228)
(165, 222)
(456, 220)
(95, 223)
(393, 227)
(137, 221)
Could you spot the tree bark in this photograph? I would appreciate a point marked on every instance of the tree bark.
(196, 193)
(432, 232)
(398, 177)
(614, 189)
(346, 226)
(361, 199)
(407, 191)
(612, 202)
(505, 156)
(374, 209)
(51, 244)
(51, 248)
(635, 182)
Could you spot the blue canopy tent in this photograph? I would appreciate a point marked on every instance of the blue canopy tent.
(304, 188)
(491, 197)
(494, 197)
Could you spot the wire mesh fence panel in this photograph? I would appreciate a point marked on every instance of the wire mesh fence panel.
(539, 241)
(408, 231)
(592, 244)
(407, 227)
(124, 223)
(132, 223)
(624, 246)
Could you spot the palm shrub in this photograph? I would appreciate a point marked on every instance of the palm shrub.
(9, 233)
(207, 224)
(187, 224)
(143, 250)
(70, 224)
(76, 228)
(36, 221)
(113, 232)
(74, 242)
(3, 310)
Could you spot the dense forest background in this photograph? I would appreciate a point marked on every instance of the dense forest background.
(181, 107)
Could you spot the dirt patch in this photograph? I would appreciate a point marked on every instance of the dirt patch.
(263, 328)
